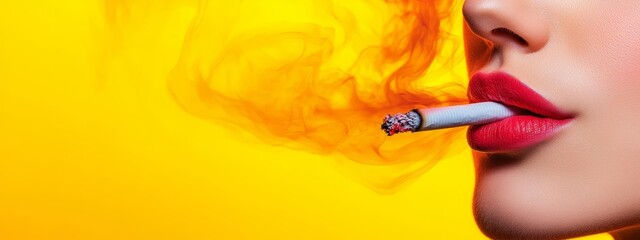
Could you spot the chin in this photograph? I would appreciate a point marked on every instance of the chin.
(510, 204)
(498, 221)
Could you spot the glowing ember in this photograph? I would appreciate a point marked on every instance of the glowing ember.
(399, 123)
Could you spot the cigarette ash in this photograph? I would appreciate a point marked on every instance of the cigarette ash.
(399, 123)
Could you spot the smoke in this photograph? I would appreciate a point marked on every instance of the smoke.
(319, 76)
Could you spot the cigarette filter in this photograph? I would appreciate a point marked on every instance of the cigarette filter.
(445, 117)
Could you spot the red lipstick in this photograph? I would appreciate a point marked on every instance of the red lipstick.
(538, 121)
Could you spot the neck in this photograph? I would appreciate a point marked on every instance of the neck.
(627, 233)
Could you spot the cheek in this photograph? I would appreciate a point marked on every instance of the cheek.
(624, 82)
(615, 88)
(604, 149)
(603, 40)
(606, 87)
(611, 47)
(619, 65)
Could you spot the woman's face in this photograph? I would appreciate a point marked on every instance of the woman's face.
(584, 57)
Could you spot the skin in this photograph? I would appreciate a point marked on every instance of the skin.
(583, 56)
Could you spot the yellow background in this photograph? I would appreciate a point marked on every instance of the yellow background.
(93, 147)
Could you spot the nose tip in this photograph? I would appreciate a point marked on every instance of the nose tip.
(508, 23)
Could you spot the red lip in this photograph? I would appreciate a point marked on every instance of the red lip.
(539, 121)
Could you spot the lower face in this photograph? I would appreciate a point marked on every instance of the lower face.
(585, 179)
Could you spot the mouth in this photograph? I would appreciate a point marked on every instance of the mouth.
(537, 120)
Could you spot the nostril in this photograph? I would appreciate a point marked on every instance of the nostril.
(503, 32)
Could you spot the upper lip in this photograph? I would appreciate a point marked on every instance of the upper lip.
(508, 90)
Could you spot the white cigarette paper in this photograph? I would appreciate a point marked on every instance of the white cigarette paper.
(462, 115)
(445, 117)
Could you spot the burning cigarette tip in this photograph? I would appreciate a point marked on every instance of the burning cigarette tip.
(399, 123)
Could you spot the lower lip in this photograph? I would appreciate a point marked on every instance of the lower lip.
(513, 133)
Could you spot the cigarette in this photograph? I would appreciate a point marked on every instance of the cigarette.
(445, 117)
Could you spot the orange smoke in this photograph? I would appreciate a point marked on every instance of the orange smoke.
(320, 76)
